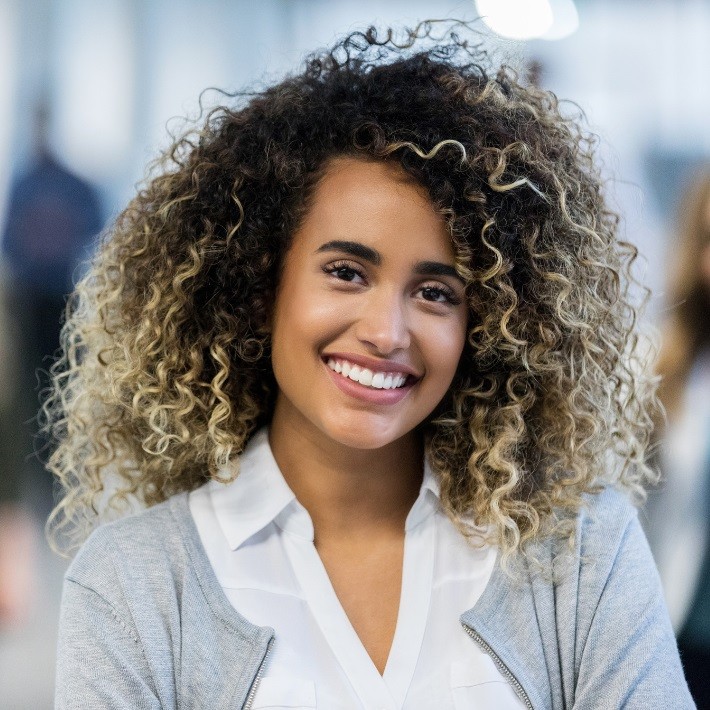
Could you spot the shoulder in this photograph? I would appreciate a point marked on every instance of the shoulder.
(147, 545)
(596, 533)
(610, 580)
(607, 536)
(622, 634)
(611, 559)
(604, 522)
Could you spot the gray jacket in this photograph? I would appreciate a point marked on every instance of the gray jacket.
(145, 623)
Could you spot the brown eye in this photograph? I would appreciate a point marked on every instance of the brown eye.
(343, 272)
(439, 294)
(434, 294)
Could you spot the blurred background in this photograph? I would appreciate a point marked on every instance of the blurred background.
(87, 92)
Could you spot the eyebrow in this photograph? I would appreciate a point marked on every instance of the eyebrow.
(423, 268)
(436, 268)
(354, 248)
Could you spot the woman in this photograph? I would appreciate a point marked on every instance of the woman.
(678, 520)
(364, 348)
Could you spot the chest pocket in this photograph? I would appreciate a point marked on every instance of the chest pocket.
(285, 693)
(480, 684)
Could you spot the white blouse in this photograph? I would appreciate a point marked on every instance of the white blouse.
(259, 540)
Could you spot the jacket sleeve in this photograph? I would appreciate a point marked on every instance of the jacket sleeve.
(630, 657)
(100, 661)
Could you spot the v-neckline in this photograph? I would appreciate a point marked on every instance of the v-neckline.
(348, 649)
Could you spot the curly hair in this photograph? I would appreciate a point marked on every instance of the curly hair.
(166, 372)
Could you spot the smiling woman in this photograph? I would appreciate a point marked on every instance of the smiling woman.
(364, 347)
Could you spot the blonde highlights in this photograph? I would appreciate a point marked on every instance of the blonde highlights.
(166, 373)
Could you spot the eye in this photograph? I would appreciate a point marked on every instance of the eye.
(343, 271)
(439, 294)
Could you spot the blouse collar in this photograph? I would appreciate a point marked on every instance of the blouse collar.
(259, 495)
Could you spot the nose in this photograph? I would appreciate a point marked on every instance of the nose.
(383, 322)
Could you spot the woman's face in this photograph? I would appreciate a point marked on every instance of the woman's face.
(370, 317)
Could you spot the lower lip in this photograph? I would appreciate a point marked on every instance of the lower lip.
(368, 394)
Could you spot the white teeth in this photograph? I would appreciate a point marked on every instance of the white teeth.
(365, 377)
(368, 378)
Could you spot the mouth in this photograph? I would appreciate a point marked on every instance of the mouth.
(370, 377)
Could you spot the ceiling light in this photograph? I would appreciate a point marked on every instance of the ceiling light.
(516, 19)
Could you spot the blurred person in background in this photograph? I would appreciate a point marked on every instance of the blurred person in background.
(17, 528)
(52, 216)
(679, 514)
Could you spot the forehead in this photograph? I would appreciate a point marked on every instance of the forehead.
(377, 203)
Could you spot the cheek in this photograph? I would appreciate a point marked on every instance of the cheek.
(304, 320)
(444, 347)
(317, 322)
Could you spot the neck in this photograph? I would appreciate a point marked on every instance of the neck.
(349, 492)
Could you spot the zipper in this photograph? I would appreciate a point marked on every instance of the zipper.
(257, 678)
(519, 690)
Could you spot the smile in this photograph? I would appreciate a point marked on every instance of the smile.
(366, 377)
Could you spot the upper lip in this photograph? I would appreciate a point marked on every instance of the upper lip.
(373, 364)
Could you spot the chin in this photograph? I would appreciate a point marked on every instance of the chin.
(364, 435)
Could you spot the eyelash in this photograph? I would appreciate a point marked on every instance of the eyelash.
(343, 266)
